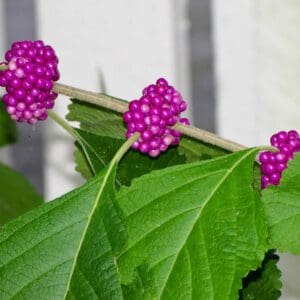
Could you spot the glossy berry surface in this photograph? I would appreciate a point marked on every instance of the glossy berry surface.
(152, 115)
(273, 164)
(31, 72)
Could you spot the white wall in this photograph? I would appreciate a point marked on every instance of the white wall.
(257, 74)
(4, 152)
(132, 42)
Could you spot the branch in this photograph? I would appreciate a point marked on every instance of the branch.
(121, 106)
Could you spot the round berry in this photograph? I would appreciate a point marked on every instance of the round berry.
(273, 164)
(32, 70)
(264, 157)
(159, 107)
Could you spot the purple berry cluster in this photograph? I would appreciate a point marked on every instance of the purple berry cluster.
(28, 79)
(159, 107)
(273, 164)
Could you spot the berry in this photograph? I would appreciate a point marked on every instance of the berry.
(273, 164)
(31, 72)
(159, 106)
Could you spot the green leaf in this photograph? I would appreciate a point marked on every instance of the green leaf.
(8, 130)
(141, 287)
(17, 195)
(104, 122)
(66, 248)
(198, 226)
(282, 209)
(104, 131)
(264, 283)
(96, 120)
(82, 164)
(134, 164)
(196, 150)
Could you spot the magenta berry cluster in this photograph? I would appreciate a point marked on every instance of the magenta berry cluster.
(273, 164)
(152, 115)
(28, 79)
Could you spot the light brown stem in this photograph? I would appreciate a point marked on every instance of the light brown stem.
(91, 97)
(3, 67)
(121, 106)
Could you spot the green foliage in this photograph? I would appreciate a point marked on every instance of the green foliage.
(134, 164)
(17, 195)
(264, 283)
(97, 120)
(100, 124)
(66, 248)
(194, 219)
(282, 209)
(196, 150)
(199, 227)
(8, 131)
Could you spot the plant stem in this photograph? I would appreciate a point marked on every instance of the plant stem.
(65, 125)
(121, 106)
(84, 144)
(91, 97)
(125, 147)
(3, 67)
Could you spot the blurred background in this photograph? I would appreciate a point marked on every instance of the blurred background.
(236, 62)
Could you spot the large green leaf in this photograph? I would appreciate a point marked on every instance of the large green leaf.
(282, 209)
(264, 283)
(66, 248)
(8, 130)
(100, 151)
(17, 195)
(198, 226)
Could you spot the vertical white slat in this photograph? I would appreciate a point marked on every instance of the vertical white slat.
(257, 72)
(132, 42)
(181, 31)
(279, 60)
(234, 28)
(5, 155)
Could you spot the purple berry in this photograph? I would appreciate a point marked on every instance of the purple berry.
(185, 121)
(154, 152)
(155, 119)
(281, 157)
(264, 157)
(280, 167)
(134, 106)
(144, 147)
(282, 136)
(273, 164)
(146, 135)
(275, 178)
(127, 117)
(158, 107)
(32, 69)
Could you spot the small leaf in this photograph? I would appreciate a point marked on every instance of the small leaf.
(8, 129)
(196, 150)
(198, 226)
(134, 164)
(96, 120)
(103, 122)
(17, 195)
(66, 248)
(264, 283)
(282, 209)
